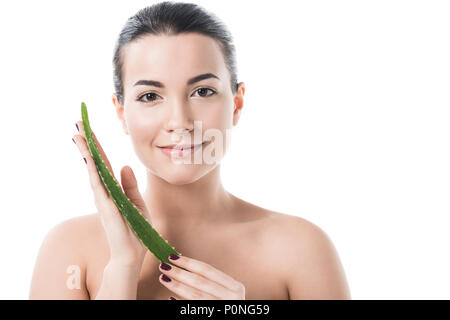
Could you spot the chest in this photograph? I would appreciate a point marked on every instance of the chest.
(244, 258)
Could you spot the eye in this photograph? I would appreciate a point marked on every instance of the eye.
(148, 94)
(203, 90)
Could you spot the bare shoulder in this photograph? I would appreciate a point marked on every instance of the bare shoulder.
(295, 228)
(76, 232)
(289, 231)
(277, 230)
(312, 265)
(79, 223)
(276, 225)
(60, 267)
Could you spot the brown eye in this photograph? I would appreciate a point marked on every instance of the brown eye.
(203, 91)
(147, 95)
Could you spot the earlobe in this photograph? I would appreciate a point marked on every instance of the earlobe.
(238, 103)
(119, 112)
(125, 128)
(237, 114)
(237, 111)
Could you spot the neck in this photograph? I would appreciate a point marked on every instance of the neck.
(200, 202)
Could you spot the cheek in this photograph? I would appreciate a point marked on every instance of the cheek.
(141, 129)
(220, 117)
(217, 124)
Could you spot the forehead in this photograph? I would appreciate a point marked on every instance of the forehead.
(172, 58)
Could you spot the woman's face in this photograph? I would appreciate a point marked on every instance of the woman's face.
(174, 110)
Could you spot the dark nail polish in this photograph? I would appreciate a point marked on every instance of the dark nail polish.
(166, 278)
(173, 257)
(84, 160)
(76, 124)
(172, 298)
(74, 140)
(165, 266)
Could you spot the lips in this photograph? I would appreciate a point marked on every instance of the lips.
(181, 151)
(180, 147)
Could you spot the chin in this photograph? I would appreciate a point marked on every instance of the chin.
(184, 173)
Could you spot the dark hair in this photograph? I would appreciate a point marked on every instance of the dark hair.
(172, 18)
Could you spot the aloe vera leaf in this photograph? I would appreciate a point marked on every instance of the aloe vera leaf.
(157, 245)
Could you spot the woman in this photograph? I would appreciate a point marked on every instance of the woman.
(175, 76)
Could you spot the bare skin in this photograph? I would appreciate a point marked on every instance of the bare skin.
(269, 254)
(275, 255)
(221, 245)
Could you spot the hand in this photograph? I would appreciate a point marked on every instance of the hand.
(126, 249)
(200, 281)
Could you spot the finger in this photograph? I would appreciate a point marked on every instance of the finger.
(198, 282)
(174, 297)
(131, 189)
(100, 193)
(109, 213)
(100, 149)
(185, 291)
(207, 271)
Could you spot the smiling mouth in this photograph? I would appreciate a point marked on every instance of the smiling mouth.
(182, 147)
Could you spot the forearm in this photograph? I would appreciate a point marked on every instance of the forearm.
(119, 283)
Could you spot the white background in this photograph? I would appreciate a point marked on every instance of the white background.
(345, 123)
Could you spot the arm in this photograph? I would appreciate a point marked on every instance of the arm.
(314, 269)
(119, 282)
(60, 271)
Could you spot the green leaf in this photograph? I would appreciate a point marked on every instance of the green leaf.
(158, 246)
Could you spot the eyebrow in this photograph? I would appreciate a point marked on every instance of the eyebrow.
(189, 82)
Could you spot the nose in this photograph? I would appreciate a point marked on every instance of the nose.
(179, 119)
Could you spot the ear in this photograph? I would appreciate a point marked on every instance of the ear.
(120, 112)
(238, 102)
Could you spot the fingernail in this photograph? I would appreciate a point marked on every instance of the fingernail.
(74, 140)
(84, 160)
(165, 266)
(77, 127)
(172, 298)
(166, 278)
(173, 256)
